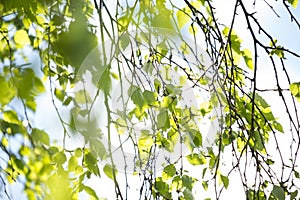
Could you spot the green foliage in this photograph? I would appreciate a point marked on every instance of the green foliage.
(7, 92)
(110, 171)
(295, 90)
(294, 3)
(277, 193)
(64, 34)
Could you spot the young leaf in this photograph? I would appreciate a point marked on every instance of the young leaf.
(248, 58)
(182, 18)
(60, 157)
(11, 116)
(225, 181)
(278, 127)
(196, 159)
(109, 171)
(90, 191)
(295, 90)
(294, 3)
(205, 185)
(60, 94)
(21, 37)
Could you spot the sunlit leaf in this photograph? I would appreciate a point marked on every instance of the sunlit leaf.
(21, 37)
(11, 116)
(60, 94)
(295, 90)
(90, 191)
(168, 172)
(109, 171)
(145, 142)
(72, 163)
(182, 18)
(60, 157)
(294, 3)
(248, 58)
(205, 185)
(40, 137)
(196, 159)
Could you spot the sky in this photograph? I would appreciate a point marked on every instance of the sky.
(283, 31)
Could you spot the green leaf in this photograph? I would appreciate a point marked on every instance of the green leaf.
(40, 137)
(21, 37)
(67, 101)
(294, 195)
(169, 172)
(196, 137)
(28, 84)
(163, 19)
(278, 127)
(188, 195)
(60, 94)
(205, 185)
(72, 163)
(247, 54)
(109, 171)
(60, 157)
(138, 99)
(163, 121)
(173, 90)
(278, 192)
(90, 191)
(98, 148)
(150, 97)
(11, 116)
(294, 3)
(78, 152)
(270, 162)
(196, 159)
(124, 40)
(297, 175)
(157, 85)
(182, 18)
(162, 188)
(225, 181)
(91, 163)
(105, 82)
(7, 91)
(148, 67)
(82, 97)
(145, 142)
(295, 90)
(188, 182)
